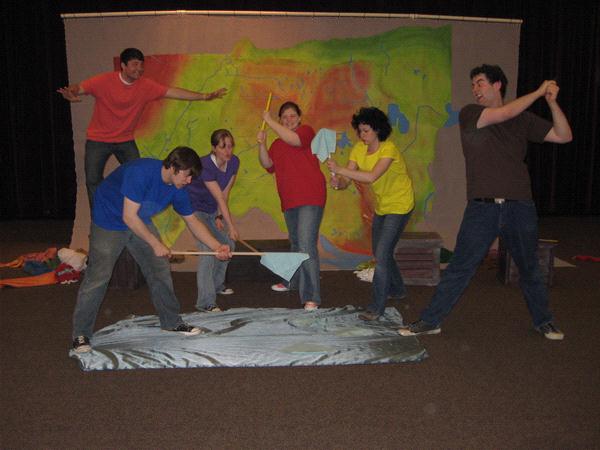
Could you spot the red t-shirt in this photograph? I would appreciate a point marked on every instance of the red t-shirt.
(118, 106)
(300, 181)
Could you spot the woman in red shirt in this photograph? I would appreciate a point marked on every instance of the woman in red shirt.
(302, 190)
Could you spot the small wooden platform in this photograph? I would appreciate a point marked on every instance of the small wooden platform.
(508, 272)
(418, 257)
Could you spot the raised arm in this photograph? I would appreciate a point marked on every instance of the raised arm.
(184, 94)
(263, 154)
(493, 115)
(135, 224)
(560, 133)
(287, 135)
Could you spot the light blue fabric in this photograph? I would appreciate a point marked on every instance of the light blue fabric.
(323, 144)
(246, 337)
(283, 264)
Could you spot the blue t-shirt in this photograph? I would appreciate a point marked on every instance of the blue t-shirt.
(200, 196)
(140, 181)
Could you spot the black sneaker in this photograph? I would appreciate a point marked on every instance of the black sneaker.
(419, 327)
(551, 332)
(81, 344)
(187, 330)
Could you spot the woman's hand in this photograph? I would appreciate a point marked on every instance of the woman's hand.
(261, 137)
(332, 166)
(233, 234)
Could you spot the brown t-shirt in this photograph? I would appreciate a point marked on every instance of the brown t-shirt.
(495, 155)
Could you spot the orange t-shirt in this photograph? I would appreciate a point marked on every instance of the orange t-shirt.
(118, 106)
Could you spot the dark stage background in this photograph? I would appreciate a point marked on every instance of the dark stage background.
(559, 40)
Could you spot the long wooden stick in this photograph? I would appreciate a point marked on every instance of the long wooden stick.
(262, 126)
(248, 245)
(176, 252)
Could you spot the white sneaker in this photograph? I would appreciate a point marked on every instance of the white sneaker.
(310, 306)
(225, 291)
(280, 287)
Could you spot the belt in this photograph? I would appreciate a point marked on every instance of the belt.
(498, 201)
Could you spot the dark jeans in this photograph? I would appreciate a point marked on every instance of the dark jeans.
(387, 280)
(516, 223)
(96, 155)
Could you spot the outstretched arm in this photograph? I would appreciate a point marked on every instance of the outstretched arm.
(560, 133)
(491, 116)
(184, 94)
(71, 93)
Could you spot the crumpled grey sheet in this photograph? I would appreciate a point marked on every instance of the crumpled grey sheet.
(246, 337)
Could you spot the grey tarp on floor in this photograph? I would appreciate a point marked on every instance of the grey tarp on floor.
(245, 337)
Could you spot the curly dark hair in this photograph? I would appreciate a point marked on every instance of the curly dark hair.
(183, 158)
(376, 119)
(493, 74)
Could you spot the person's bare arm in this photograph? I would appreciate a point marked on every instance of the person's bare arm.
(135, 224)
(72, 93)
(560, 133)
(185, 94)
(362, 176)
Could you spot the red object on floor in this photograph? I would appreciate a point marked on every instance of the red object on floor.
(587, 258)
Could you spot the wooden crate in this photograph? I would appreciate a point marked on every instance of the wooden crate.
(508, 273)
(418, 257)
(126, 273)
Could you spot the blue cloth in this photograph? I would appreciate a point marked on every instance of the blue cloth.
(200, 196)
(96, 155)
(105, 248)
(323, 144)
(140, 181)
(36, 267)
(387, 280)
(516, 223)
(303, 228)
(210, 275)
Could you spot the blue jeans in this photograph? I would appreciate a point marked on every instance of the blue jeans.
(105, 248)
(210, 275)
(96, 155)
(516, 223)
(303, 225)
(387, 281)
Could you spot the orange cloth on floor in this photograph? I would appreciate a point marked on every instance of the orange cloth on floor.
(36, 280)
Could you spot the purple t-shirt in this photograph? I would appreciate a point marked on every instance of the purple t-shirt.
(139, 180)
(200, 196)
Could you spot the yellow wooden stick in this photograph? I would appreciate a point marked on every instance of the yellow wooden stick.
(262, 127)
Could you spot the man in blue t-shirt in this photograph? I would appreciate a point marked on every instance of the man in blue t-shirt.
(124, 204)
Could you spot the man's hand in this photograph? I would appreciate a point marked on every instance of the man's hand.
(161, 250)
(217, 94)
(70, 93)
(223, 252)
(552, 92)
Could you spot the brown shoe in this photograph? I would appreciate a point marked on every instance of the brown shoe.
(368, 316)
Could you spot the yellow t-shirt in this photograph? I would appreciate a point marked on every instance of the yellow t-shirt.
(393, 190)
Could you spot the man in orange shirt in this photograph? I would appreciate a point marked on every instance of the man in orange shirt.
(120, 100)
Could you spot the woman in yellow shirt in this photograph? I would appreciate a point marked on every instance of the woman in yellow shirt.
(378, 163)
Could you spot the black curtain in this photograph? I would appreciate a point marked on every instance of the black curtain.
(558, 40)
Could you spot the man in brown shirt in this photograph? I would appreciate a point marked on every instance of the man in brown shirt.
(494, 138)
